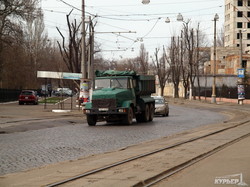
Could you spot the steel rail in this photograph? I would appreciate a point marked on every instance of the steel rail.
(142, 155)
(156, 179)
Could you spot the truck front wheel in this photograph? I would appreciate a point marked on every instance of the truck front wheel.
(91, 119)
(129, 117)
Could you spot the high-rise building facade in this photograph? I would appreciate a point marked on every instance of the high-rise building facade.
(237, 19)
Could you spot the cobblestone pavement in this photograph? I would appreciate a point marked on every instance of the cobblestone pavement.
(33, 148)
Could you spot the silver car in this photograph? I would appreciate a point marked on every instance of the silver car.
(161, 106)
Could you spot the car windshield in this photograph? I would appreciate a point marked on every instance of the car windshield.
(159, 101)
(111, 83)
(26, 93)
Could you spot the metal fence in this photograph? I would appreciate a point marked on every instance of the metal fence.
(7, 95)
(223, 92)
(226, 86)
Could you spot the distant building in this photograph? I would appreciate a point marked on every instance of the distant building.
(237, 19)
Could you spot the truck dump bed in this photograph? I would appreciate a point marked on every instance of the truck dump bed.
(145, 85)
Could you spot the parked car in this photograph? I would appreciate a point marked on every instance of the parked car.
(161, 106)
(63, 92)
(28, 96)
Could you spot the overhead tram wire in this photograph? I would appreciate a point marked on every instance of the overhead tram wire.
(68, 4)
(111, 17)
(158, 14)
(72, 6)
(155, 4)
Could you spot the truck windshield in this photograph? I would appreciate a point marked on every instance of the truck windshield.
(111, 83)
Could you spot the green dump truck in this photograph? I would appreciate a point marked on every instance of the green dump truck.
(121, 96)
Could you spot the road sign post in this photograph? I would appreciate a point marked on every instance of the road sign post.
(241, 86)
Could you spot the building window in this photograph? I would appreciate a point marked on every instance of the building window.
(238, 45)
(248, 24)
(239, 24)
(244, 63)
(248, 45)
(240, 2)
(248, 3)
(248, 36)
(238, 35)
(240, 14)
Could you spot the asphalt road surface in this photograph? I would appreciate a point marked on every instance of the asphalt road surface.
(37, 142)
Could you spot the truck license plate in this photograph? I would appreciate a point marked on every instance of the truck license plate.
(103, 109)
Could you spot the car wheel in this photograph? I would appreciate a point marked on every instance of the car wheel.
(91, 119)
(167, 113)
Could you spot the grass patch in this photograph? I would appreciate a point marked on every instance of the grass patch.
(51, 100)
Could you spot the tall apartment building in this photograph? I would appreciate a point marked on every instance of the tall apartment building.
(237, 17)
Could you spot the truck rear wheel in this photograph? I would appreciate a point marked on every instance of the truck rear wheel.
(91, 119)
(146, 113)
(144, 116)
(151, 112)
(129, 117)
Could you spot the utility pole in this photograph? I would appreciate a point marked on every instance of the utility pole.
(83, 62)
(84, 90)
(92, 55)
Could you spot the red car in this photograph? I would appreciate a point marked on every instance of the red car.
(28, 96)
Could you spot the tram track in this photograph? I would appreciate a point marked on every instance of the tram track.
(170, 171)
(144, 164)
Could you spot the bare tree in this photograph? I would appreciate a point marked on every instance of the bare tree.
(143, 60)
(36, 42)
(193, 57)
(175, 63)
(189, 44)
(12, 16)
(71, 51)
(220, 38)
(161, 68)
(11, 12)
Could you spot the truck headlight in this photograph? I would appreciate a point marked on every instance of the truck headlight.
(87, 111)
(122, 110)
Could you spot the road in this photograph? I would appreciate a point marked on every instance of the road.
(32, 137)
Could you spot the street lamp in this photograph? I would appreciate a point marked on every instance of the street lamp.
(179, 17)
(145, 2)
(213, 97)
(167, 20)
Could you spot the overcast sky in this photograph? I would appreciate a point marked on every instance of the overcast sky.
(148, 21)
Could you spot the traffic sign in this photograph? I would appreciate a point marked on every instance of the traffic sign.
(59, 75)
(241, 73)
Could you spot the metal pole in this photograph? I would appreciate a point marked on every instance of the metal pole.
(92, 57)
(240, 35)
(213, 98)
(241, 80)
(83, 62)
(89, 49)
(82, 94)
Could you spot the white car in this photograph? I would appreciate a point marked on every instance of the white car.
(161, 106)
(64, 92)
